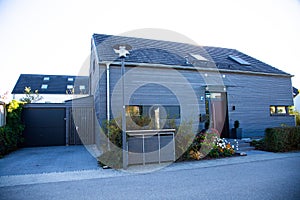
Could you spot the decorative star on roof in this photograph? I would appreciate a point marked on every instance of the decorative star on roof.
(122, 51)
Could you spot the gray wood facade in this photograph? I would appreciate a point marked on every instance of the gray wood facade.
(250, 89)
(250, 94)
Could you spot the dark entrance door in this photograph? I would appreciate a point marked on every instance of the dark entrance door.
(217, 110)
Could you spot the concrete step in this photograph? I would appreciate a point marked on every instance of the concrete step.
(243, 144)
(246, 149)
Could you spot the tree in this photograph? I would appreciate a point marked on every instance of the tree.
(293, 111)
(31, 97)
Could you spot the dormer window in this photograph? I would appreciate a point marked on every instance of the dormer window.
(46, 78)
(70, 79)
(70, 87)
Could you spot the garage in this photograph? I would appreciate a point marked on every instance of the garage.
(44, 125)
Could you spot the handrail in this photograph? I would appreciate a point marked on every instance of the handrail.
(149, 132)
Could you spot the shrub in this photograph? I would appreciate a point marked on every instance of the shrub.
(282, 139)
(11, 133)
(183, 139)
(112, 158)
(258, 144)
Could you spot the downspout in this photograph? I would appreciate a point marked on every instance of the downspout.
(107, 91)
(108, 101)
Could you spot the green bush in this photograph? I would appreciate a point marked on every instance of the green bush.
(258, 144)
(11, 133)
(282, 139)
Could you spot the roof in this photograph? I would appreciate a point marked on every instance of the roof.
(52, 84)
(159, 52)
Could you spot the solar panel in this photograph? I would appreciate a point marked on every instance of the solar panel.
(239, 60)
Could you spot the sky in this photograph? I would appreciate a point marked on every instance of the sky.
(54, 36)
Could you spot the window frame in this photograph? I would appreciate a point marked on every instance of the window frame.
(276, 113)
(144, 110)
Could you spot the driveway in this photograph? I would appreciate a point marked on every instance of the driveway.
(40, 160)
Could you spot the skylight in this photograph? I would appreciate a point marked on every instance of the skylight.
(70, 86)
(44, 86)
(198, 57)
(70, 79)
(46, 78)
(239, 60)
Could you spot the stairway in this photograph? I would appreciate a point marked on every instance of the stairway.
(243, 144)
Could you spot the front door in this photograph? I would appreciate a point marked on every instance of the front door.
(216, 109)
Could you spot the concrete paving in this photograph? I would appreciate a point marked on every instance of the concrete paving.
(75, 163)
(39, 160)
(260, 175)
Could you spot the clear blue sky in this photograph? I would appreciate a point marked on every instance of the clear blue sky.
(53, 36)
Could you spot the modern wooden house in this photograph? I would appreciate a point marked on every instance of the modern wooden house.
(189, 82)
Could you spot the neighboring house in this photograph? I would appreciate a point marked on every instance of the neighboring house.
(295, 92)
(2, 114)
(189, 82)
(53, 88)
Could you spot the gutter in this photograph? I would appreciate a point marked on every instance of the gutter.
(198, 68)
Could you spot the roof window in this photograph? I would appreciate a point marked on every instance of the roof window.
(44, 86)
(238, 60)
(198, 57)
(46, 78)
(70, 79)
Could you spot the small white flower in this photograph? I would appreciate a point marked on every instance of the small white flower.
(233, 146)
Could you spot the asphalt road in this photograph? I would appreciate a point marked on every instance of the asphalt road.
(267, 179)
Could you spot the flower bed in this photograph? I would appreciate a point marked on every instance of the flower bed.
(207, 144)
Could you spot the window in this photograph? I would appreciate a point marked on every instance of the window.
(133, 111)
(70, 79)
(238, 60)
(279, 110)
(166, 112)
(70, 87)
(82, 87)
(46, 78)
(44, 86)
(198, 57)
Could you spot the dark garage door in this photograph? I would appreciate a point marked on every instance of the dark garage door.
(44, 126)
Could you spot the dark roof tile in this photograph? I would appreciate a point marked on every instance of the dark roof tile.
(174, 53)
(57, 84)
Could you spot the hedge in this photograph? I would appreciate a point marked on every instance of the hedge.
(11, 133)
(282, 139)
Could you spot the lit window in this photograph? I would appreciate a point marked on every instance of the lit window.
(133, 111)
(279, 110)
(70, 79)
(82, 87)
(46, 78)
(44, 86)
(272, 110)
(70, 87)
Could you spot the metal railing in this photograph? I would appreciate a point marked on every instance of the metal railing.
(150, 146)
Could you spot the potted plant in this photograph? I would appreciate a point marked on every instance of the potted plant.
(236, 131)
